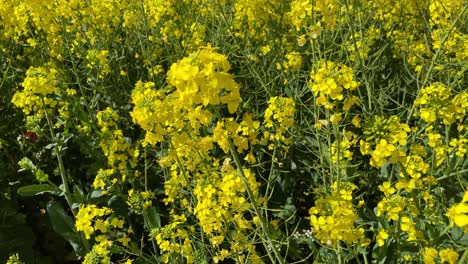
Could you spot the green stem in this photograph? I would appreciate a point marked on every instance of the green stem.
(270, 176)
(355, 254)
(444, 232)
(58, 153)
(464, 256)
(451, 174)
(254, 204)
(360, 59)
(63, 176)
(338, 253)
(146, 171)
(364, 255)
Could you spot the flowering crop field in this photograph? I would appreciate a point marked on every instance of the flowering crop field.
(234, 131)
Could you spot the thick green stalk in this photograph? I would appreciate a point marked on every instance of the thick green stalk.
(63, 176)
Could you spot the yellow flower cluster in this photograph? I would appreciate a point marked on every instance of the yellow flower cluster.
(203, 79)
(303, 13)
(415, 167)
(383, 138)
(39, 93)
(399, 205)
(98, 61)
(200, 81)
(89, 219)
(383, 150)
(159, 10)
(300, 11)
(460, 104)
(399, 21)
(174, 238)
(164, 16)
(402, 209)
(220, 210)
(279, 118)
(100, 253)
(243, 135)
(460, 145)
(341, 150)
(447, 37)
(103, 179)
(440, 149)
(395, 207)
(446, 255)
(388, 128)
(254, 18)
(436, 102)
(292, 62)
(331, 83)
(333, 217)
(381, 237)
(80, 21)
(220, 206)
(423, 30)
(221, 203)
(151, 111)
(139, 200)
(116, 148)
(182, 116)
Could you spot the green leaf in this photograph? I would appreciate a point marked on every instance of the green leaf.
(96, 194)
(64, 225)
(34, 189)
(152, 218)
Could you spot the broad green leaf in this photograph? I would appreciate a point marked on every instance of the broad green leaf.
(64, 225)
(34, 189)
(152, 218)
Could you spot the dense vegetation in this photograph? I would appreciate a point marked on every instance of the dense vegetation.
(233, 131)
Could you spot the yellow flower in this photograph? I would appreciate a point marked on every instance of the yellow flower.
(381, 237)
(335, 118)
(71, 92)
(101, 225)
(124, 240)
(434, 102)
(39, 93)
(382, 151)
(458, 213)
(333, 217)
(430, 255)
(115, 222)
(448, 255)
(434, 139)
(279, 117)
(301, 40)
(293, 61)
(356, 121)
(86, 216)
(330, 80)
(387, 188)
